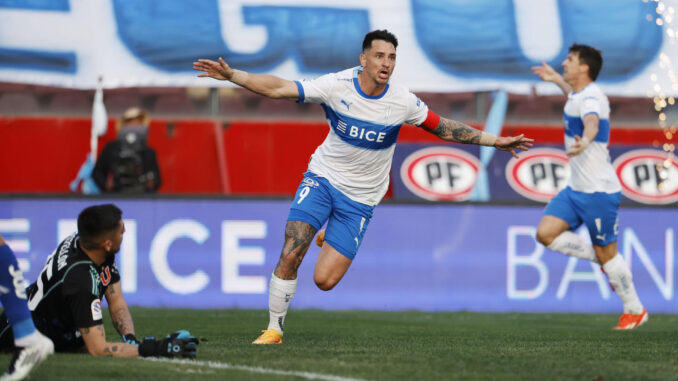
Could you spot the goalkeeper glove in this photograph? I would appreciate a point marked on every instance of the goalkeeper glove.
(130, 339)
(178, 344)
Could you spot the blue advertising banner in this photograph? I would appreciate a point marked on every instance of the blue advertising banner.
(436, 257)
(449, 172)
(492, 44)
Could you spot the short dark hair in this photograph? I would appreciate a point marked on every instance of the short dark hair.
(96, 220)
(590, 56)
(380, 34)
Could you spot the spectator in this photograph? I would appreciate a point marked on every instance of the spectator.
(128, 164)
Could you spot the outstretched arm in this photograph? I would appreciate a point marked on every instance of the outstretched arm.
(266, 85)
(549, 74)
(454, 131)
(96, 344)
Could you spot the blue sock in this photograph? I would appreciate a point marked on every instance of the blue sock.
(16, 307)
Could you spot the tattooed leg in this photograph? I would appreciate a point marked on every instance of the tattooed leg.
(283, 285)
(298, 237)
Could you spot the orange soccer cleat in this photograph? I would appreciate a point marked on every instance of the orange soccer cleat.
(320, 238)
(269, 336)
(630, 321)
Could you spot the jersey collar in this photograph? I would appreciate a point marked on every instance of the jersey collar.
(356, 84)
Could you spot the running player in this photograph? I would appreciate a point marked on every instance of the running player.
(593, 193)
(29, 345)
(349, 172)
(66, 298)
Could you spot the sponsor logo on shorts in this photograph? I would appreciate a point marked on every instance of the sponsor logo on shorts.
(96, 309)
(440, 173)
(538, 174)
(648, 176)
(309, 182)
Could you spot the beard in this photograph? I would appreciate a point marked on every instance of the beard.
(111, 253)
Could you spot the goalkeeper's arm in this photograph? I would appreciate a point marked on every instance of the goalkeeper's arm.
(178, 344)
(96, 344)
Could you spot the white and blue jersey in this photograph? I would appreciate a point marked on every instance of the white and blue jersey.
(593, 194)
(357, 153)
(591, 170)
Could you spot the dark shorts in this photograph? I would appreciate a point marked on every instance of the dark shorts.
(64, 340)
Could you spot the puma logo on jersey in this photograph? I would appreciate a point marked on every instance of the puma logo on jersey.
(348, 105)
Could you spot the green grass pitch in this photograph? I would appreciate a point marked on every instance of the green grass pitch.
(411, 345)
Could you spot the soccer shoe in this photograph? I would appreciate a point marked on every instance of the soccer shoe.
(630, 321)
(269, 336)
(320, 238)
(27, 358)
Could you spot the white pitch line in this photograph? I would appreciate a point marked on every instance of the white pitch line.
(254, 369)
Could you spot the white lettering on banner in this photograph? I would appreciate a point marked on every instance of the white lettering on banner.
(233, 255)
(533, 260)
(632, 243)
(66, 227)
(571, 275)
(18, 245)
(15, 225)
(540, 37)
(127, 255)
(167, 234)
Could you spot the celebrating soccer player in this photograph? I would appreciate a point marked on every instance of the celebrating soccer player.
(593, 193)
(66, 299)
(349, 172)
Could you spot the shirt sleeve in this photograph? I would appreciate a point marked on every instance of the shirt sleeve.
(417, 110)
(80, 291)
(590, 105)
(115, 273)
(316, 90)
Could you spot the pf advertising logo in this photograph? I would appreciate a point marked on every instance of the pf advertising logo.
(648, 176)
(440, 173)
(538, 174)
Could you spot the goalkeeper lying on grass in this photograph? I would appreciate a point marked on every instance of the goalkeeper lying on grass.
(65, 301)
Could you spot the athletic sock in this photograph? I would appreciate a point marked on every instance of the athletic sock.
(27, 340)
(13, 295)
(621, 279)
(280, 293)
(571, 244)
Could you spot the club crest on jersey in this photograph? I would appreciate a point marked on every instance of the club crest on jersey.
(538, 174)
(105, 276)
(648, 176)
(309, 182)
(440, 173)
(96, 309)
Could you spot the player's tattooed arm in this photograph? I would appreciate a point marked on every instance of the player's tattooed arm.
(454, 131)
(96, 345)
(122, 319)
(298, 236)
